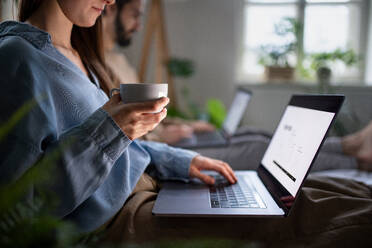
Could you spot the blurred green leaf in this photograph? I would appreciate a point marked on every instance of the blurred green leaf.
(216, 111)
(181, 67)
(26, 204)
(175, 112)
(348, 57)
(6, 127)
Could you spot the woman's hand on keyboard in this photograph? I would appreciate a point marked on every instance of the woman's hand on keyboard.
(200, 163)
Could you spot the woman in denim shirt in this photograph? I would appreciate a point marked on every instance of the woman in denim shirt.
(54, 56)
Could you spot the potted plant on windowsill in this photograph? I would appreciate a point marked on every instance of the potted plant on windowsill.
(275, 61)
(321, 63)
(279, 60)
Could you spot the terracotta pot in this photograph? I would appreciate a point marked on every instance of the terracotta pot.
(275, 73)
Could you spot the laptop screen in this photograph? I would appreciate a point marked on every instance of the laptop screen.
(236, 111)
(295, 144)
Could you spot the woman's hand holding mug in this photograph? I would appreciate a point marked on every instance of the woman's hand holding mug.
(136, 119)
(139, 107)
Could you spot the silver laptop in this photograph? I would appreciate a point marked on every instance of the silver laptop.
(221, 137)
(285, 165)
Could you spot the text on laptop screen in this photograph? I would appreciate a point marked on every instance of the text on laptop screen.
(236, 112)
(294, 145)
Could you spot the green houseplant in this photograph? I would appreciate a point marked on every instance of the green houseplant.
(183, 68)
(28, 223)
(215, 110)
(321, 63)
(277, 58)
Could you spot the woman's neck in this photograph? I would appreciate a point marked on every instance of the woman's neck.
(109, 37)
(50, 18)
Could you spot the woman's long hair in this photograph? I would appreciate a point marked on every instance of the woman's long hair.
(87, 41)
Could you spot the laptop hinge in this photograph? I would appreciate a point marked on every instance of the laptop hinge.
(275, 189)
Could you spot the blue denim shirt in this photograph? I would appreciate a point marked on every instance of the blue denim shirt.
(95, 173)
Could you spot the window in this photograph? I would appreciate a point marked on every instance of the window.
(328, 25)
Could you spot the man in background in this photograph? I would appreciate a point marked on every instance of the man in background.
(120, 22)
(123, 19)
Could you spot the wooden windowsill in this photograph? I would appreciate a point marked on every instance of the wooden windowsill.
(303, 86)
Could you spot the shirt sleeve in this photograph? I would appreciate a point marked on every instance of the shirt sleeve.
(168, 163)
(78, 159)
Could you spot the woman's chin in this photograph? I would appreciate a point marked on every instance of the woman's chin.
(87, 23)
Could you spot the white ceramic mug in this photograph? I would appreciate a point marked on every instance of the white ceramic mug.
(141, 92)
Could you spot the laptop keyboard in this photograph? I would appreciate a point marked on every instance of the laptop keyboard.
(240, 195)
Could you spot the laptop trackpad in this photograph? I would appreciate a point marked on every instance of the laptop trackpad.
(181, 198)
(179, 190)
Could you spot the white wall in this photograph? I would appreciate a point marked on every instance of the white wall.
(9, 10)
(269, 100)
(208, 31)
(204, 31)
(369, 55)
